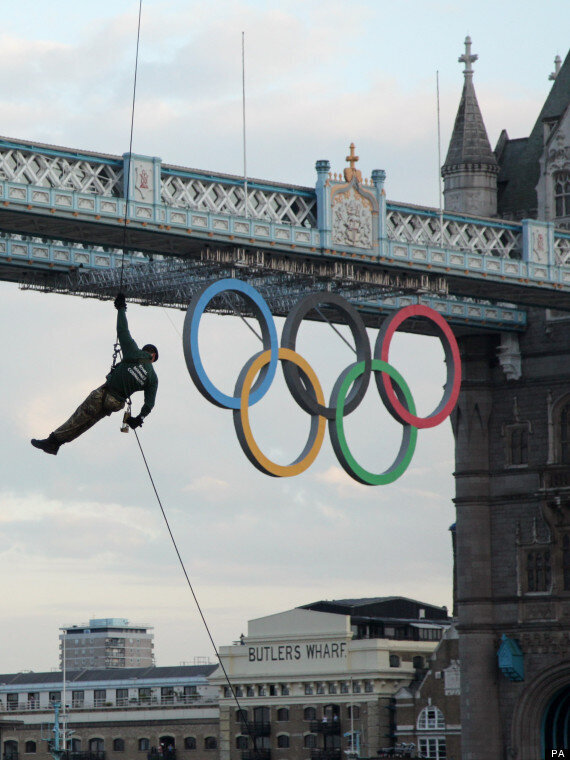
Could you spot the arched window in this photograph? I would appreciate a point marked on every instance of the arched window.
(241, 742)
(538, 570)
(10, 749)
(241, 716)
(394, 661)
(310, 741)
(283, 741)
(562, 194)
(190, 742)
(210, 742)
(261, 714)
(118, 745)
(431, 718)
(76, 745)
(309, 713)
(144, 745)
(283, 714)
(96, 745)
(30, 748)
(354, 712)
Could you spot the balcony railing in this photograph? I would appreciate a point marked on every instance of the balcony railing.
(258, 728)
(83, 755)
(119, 704)
(325, 726)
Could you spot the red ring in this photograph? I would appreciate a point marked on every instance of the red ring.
(451, 350)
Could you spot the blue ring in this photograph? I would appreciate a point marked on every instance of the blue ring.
(190, 341)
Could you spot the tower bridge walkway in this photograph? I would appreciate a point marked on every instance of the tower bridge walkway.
(67, 225)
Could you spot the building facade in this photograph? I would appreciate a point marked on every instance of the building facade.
(123, 714)
(106, 643)
(512, 433)
(314, 682)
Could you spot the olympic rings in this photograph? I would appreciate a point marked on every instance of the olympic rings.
(305, 387)
(241, 417)
(338, 439)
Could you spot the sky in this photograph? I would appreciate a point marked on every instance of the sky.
(81, 534)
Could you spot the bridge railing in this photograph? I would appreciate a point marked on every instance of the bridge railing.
(425, 227)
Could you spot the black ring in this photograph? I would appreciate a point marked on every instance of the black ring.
(363, 353)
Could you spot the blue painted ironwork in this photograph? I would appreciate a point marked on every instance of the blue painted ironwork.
(511, 659)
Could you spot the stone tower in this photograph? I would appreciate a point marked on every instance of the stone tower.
(512, 434)
(470, 169)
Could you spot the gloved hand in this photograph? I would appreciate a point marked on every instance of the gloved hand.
(120, 301)
(135, 422)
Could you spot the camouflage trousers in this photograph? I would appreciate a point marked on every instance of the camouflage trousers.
(98, 404)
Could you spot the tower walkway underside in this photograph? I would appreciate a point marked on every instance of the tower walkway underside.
(66, 226)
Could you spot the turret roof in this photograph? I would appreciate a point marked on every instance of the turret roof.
(469, 142)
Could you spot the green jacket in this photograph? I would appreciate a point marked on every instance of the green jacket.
(135, 372)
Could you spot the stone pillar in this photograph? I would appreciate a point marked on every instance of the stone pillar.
(323, 192)
(479, 697)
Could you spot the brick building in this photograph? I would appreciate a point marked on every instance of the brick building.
(316, 681)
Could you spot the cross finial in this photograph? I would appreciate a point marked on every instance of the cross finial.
(350, 171)
(557, 65)
(467, 58)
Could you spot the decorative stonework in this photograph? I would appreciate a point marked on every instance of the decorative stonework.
(509, 356)
(352, 219)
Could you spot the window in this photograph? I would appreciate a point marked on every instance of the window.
(34, 700)
(239, 691)
(517, 442)
(261, 691)
(210, 742)
(145, 695)
(562, 193)
(356, 689)
(283, 714)
(320, 687)
(241, 715)
(12, 701)
(190, 742)
(283, 741)
(144, 745)
(310, 741)
(55, 696)
(538, 570)
(284, 690)
(227, 692)
(344, 687)
(431, 718)
(30, 748)
(10, 749)
(432, 747)
(192, 691)
(167, 695)
(332, 688)
(354, 712)
(99, 697)
(368, 687)
(96, 745)
(261, 715)
(308, 688)
(241, 742)
(394, 661)
(250, 691)
(309, 713)
(272, 691)
(76, 745)
(122, 697)
(118, 745)
(564, 434)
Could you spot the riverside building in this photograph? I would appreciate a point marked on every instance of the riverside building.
(106, 643)
(317, 680)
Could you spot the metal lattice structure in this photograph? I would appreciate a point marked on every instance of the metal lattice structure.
(58, 171)
(229, 198)
(426, 227)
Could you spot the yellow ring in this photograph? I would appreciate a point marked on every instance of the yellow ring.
(297, 467)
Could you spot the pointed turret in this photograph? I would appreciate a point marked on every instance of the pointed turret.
(470, 169)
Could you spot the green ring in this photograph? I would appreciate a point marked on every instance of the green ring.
(338, 438)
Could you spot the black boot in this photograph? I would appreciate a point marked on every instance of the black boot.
(49, 445)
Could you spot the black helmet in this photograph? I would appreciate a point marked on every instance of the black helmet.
(151, 350)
